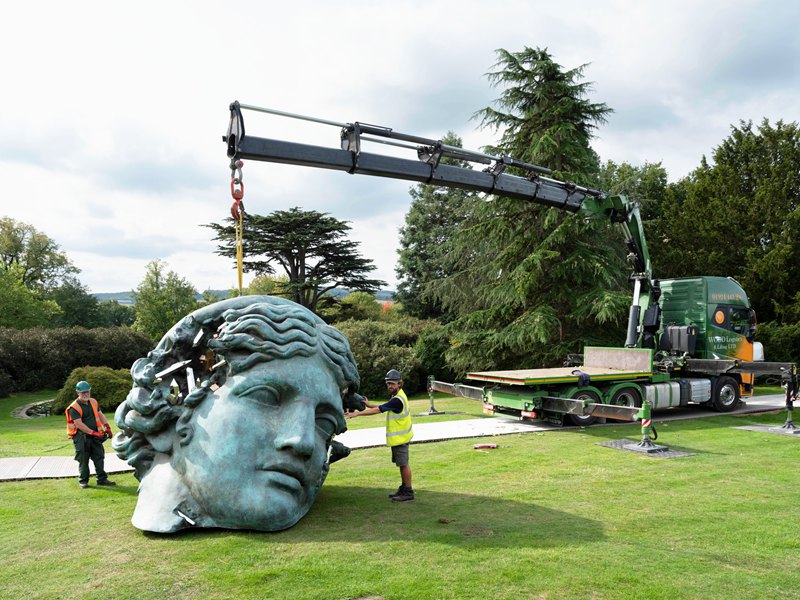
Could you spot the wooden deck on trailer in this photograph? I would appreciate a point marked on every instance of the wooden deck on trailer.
(600, 364)
(554, 375)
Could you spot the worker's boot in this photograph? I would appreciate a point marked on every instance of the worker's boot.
(405, 495)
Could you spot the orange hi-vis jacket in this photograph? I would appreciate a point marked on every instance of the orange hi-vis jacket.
(71, 428)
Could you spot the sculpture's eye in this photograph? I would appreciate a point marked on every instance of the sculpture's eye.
(264, 394)
(327, 424)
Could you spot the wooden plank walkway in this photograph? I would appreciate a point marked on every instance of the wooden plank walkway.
(50, 467)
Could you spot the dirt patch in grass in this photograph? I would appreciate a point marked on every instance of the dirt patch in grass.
(478, 531)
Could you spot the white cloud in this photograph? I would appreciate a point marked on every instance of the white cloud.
(112, 114)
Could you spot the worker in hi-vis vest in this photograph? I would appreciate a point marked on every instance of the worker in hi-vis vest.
(88, 428)
(398, 430)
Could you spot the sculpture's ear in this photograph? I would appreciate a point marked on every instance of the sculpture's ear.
(183, 428)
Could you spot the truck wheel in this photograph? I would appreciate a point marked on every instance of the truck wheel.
(726, 394)
(629, 396)
(584, 395)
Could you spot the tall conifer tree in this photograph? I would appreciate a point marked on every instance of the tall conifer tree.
(435, 215)
(531, 284)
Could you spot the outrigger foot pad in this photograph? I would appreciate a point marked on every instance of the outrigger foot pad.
(646, 446)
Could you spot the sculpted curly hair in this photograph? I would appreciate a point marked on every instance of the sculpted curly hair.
(238, 333)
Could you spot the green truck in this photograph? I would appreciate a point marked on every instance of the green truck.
(701, 352)
(688, 341)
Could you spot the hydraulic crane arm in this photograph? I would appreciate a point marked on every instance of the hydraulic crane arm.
(427, 168)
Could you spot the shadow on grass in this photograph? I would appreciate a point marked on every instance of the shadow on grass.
(360, 514)
(127, 490)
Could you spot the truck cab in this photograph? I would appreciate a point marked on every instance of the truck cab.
(708, 318)
(720, 310)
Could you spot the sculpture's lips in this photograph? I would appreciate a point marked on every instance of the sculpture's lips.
(286, 475)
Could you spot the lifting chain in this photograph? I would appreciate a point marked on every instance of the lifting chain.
(238, 214)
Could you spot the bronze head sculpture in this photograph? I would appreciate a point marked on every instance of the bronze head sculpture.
(231, 418)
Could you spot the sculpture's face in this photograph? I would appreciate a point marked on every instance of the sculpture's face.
(258, 452)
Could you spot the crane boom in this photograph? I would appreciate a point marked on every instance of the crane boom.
(427, 168)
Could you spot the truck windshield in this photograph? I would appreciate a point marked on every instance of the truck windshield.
(742, 321)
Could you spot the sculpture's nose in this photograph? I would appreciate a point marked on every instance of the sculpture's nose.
(296, 431)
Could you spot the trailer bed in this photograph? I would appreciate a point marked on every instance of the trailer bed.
(554, 375)
(600, 364)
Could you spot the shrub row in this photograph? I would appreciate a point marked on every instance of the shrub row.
(781, 341)
(410, 345)
(109, 388)
(414, 347)
(39, 358)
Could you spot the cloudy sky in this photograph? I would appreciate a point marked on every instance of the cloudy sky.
(112, 113)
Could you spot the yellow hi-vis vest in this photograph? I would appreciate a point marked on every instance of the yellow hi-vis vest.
(71, 428)
(398, 425)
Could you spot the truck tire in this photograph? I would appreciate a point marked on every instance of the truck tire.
(725, 395)
(630, 396)
(591, 397)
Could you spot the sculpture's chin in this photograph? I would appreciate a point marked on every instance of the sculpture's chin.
(166, 504)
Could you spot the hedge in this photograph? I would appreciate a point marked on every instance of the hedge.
(39, 358)
(379, 346)
(109, 388)
(781, 341)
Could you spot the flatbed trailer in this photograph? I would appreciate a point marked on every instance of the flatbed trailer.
(612, 383)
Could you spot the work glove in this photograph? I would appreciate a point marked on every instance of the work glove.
(99, 434)
(109, 435)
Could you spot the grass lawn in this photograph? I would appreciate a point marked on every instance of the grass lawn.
(545, 515)
(44, 436)
(768, 390)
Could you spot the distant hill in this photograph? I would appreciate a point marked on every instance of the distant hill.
(127, 297)
(121, 297)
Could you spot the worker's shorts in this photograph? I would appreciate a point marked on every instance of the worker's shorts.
(400, 455)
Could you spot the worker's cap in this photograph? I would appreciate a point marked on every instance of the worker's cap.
(393, 375)
(82, 386)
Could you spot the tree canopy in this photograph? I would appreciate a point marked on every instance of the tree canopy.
(738, 216)
(310, 247)
(39, 262)
(543, 112)
(114, 314)
(20, 307)
(271, 285)
(78, 306)
(162, 299)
